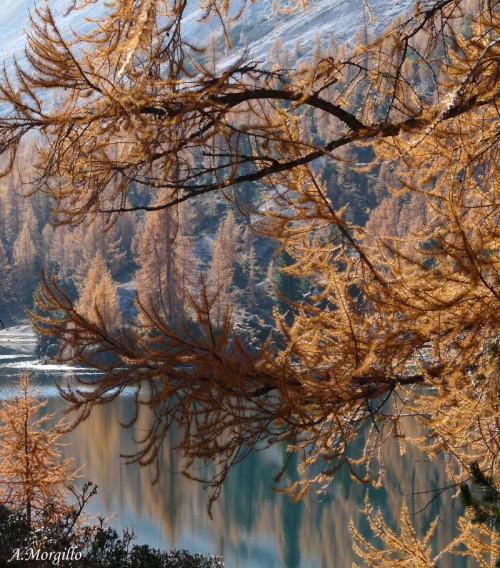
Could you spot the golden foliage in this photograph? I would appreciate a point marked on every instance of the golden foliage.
(98, 300)
(403, 547)
(396, 327)
(33, 478)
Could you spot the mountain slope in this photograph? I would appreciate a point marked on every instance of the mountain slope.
(340, 18)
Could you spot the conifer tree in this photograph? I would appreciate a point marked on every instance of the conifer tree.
(483, 500)
(11, 210)
(276, 51)
(98, 300)
(25, 262)
(212, 52)
(249, 263)
(33, 478)
(5, 275)
(221, 268)
(166, 264)
(4, 198)
(317, 51)
(88, 240)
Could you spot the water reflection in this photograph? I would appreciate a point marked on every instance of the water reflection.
(253, 526)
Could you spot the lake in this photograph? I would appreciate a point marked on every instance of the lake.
(253, 526)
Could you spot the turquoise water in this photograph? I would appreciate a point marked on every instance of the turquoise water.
(253, 526)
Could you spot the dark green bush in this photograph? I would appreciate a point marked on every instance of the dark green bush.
(96, 546)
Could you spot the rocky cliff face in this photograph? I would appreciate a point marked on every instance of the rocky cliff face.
(261, 25)
(14, 23)
(340, 19)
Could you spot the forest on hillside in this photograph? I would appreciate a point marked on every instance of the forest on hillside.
(217, 238)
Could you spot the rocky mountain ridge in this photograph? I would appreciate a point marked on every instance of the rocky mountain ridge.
(261, 23)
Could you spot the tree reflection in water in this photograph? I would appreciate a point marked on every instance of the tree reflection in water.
(253, 526)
